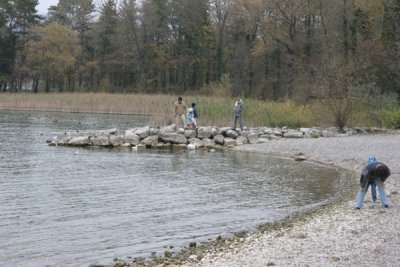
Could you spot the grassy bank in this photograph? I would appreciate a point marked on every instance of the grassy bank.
(212, 110)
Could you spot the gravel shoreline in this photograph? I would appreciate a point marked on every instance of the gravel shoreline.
(337, 235)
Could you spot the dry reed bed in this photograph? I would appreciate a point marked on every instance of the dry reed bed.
(212, 110)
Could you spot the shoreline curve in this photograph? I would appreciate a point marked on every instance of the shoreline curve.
(334, 235)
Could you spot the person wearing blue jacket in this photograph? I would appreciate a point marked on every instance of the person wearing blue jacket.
(237, 113)
(374, 172)
(372, 159)
(191, 121)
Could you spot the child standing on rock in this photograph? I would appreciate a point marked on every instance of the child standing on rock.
(191, 121)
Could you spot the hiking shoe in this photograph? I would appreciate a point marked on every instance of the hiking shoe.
(386, 206)
(357, 208)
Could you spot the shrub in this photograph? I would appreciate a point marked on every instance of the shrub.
(390, 118)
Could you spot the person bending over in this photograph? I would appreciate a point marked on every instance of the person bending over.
(375, 172)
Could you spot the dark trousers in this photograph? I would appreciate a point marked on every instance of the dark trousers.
(235, 119)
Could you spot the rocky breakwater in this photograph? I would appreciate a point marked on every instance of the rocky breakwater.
(202, 137)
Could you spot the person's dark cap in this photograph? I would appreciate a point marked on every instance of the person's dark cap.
(180, 98)
(193, 104)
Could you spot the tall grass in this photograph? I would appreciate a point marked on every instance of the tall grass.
(212, 110)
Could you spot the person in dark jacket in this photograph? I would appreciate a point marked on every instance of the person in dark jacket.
(372, 159)
(237, 113)
(194, 111)
(375, 172)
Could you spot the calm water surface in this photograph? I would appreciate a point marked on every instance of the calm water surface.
(63, 208)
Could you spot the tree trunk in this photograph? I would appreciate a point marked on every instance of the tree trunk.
(35, 85)
(345, 33)
(47, 85)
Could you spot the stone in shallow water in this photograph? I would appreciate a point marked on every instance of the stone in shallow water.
(253, 138)
(116, 140)
(143, 132)
(150, 140)
(79, 141)
(131, 138)
(197, 142)
(300, 158)
(241, 140)
(229, 142)
(173, 138)
(208, 143)
(219, 139)
(100, 140)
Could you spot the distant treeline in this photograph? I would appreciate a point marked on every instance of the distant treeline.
(269, 49)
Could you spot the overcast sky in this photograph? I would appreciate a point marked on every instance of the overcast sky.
(44, 5)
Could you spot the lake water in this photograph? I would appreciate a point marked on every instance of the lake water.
(63, 206)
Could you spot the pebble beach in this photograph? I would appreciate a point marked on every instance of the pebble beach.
(338, 235)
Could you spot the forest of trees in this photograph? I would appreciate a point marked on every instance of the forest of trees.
(268, 49)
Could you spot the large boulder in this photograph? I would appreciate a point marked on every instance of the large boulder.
(131, 138)
(223, 130)
(253, 138)
(314, 133)
(79, 141)
(208, 143)
(204, 132)
(265, 136)
(190, 134)
(268, 131)
(229, 142)
(245, 133)
(328, 133)
(214, 131)
(277, 132)
(169, 129)
(232, 133)
(116, 140)
(63, 141)
(173, 138)
(196, 141)
(100, 140)
(181, 131)
(154, 131)
(219, 139)
(143, 132)
(305, 130)
(150, 140)
(241, 140)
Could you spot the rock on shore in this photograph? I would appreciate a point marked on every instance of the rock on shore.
(209, 137)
